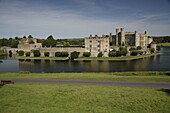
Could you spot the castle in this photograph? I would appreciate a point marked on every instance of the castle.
(94, 45)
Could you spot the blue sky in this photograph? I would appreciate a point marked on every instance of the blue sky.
(80, 18)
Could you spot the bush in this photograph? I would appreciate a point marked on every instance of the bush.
(135, 53)
(61, 54)
(118, 53)
(58, 54)
(36, 53)
(141, 52)
(64, 54)
(112, 54)
(21, 53)
(86, 54)
(100, 54)
(27, 53)
(131, 49)
(139, 48)
(75, 55)
(46, 54)
(152, 50)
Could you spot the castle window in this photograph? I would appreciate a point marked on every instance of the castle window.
(106, 41)
(106, 45)
(98, 45)
(90, 41)
(90, 45)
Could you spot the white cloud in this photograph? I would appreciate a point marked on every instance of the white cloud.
(19, 21)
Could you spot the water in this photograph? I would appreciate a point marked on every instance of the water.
(155, 63)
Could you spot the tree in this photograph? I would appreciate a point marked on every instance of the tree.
(30, 36)
(49, 42)
(46, 54)
(152, 50)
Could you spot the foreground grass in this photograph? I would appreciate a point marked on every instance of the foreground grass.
(115, 76)
(164, 44)
(116, 58)
(30, 57)
(38, 98)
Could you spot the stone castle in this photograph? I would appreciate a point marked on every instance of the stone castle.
(94, 45)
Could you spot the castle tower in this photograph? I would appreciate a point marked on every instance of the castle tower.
(137, 39)
(117, 31)
(110, 38)
(122, 36)
(146, 38)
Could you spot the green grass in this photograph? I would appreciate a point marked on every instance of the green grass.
(43, 98)
(30, 57)
(116, 58)
(164, 44)
(116, 76)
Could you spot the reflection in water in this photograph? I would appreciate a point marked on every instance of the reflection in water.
(155, 63)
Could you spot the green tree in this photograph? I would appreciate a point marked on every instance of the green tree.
(30, 36)
(86, 54)
(49, 42)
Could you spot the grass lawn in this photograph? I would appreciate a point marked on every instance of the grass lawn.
(115, 76)
(164, 44)
(29, 57)
(116, 58)
(43, 98)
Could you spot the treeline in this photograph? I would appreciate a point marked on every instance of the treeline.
(162, 39)
(49, 42)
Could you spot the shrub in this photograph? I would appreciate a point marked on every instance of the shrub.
(118, 53)
(27, 53)
(100, 54)
(86, 54)
(131, 49)
(75, 55)
(140, 52)
(134, 53)
(61, 54)
(21, 53)
(139, 48)
(36, 53)
(112, 54)
(46, 54)
(64, 54)
(58, 54)
(152, 50)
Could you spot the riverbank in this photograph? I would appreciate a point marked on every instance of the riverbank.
(115, 76)
(44, 58)
(124, 58)
(164, 44)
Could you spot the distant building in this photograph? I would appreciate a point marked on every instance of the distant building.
(130, 38)
(28, 44)
(97, 44)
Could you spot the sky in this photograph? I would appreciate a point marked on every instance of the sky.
(80, 18)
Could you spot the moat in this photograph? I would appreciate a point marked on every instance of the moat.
(154, 63)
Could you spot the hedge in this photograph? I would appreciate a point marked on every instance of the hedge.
(86, 54)
(75, 55)
(27, 53)
(46, 54)
(21, 53)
